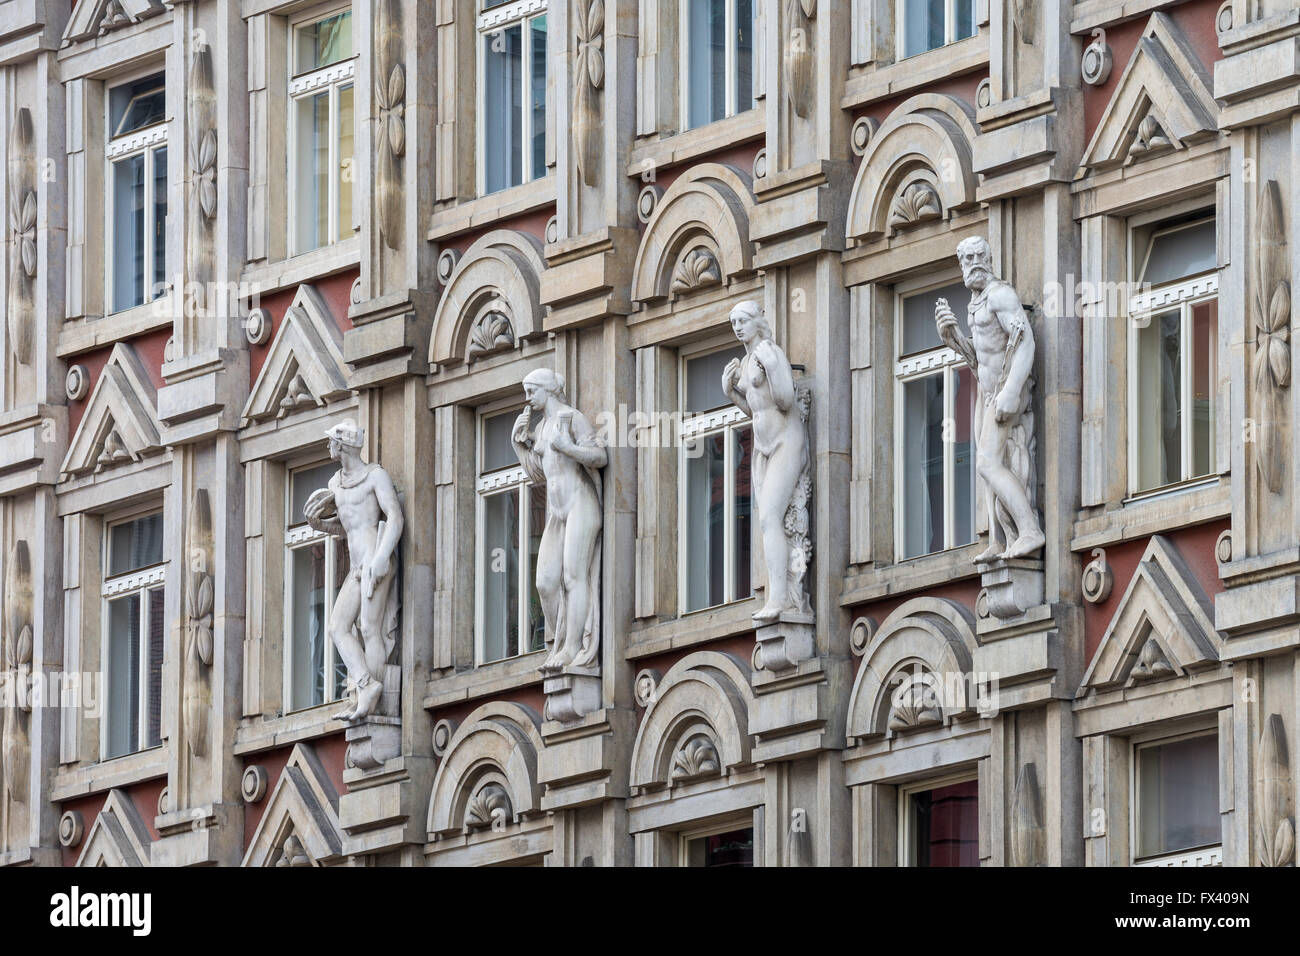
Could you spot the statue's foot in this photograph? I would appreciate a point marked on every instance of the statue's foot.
(769, 614)
(1025, 545)
(347, 713)
(988, 555)
(367, 699)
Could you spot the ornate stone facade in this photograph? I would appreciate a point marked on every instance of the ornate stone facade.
(683, 487)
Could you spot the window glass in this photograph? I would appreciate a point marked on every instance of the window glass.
(498, 450)
(159, 224)
(1159, 390)
(963, 452)
(708, 61)
(134, 106)
(313, 171)
(733, 848)
(1205, 343)
(919, 330)
(128, 232)
(923, 451)
(537, 94)
(705, 526)
(124, 619)
(135, 544)
(307, 625)
(344, 171)
(742, 455)
(303, 482)
(536, 637)
(704, 380)
(923, 26)
(324, 42)
(1178, 796)
(153, 669)
(500, 575)
(1178, 252)
(502, 119)
(744, 55)
(944, 827)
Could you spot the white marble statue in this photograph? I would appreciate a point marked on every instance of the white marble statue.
(762, 385)
(558, 448)
(1001, 352)
(360, 505)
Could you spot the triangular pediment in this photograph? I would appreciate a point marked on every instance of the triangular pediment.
(304, 365)
(120, 423)
(303, 806)
(1162, 627)
(92, 18)
(119, 836)
(1163, 101)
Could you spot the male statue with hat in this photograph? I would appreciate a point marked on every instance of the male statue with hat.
(360, 504)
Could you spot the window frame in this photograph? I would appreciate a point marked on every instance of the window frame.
(906, 855)
(730, 86)
(488, 21)
(488, 484)
(1184, 294)
(744, 821)
(949, 26)
(145, 142)
(912, 367)
(300, 87)
(140, 581)
(297, 538)
(725, 419)
(1156, 738)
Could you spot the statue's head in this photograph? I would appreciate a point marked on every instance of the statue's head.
(749, 323)
(976, 259)
(541, 385)
(345, 437)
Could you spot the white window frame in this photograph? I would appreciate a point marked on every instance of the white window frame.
(738, 822)
(298, 538)
(727, 419)
(906, 852)
(146, 142)
(301, 86)
(487, 485)
(729, 64)
(911, 368)
(520, 12)
(1185, 295)
(140, 581)
(1211, 855)
(949, 27)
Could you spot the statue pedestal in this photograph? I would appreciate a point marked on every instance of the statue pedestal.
(572, 693)
(782, 644)
(374, 741)
(1011, 586)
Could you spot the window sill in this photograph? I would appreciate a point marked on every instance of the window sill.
(256, 734)
(327, 260)
(914, 574)
(695, 627)
(1205, 856)
(905, 76)
(486, 210)
(484, 680)
(73, 782)
(1155, 513)
(82, 335)
(673, 148)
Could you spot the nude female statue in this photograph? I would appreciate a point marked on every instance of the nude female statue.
(558, 447)
(762, 385)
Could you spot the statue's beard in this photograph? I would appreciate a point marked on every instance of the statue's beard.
(976, 276)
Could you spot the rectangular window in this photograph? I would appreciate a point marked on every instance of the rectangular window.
(137, 192)
(321, 132)
(511, 519)
(315, 568)
(1173, 348)
(716, 451)
(935, 417)
(134, 627)
(730, 845)
(939, 823)
(1176, 796)
(929, 24)
(718, 68)
(512, 93)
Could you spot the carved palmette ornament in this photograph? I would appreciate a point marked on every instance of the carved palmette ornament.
(18, 667)
(492, 332)
(489, 803)
(22, 231)
(698, 269)
(1272, 308)
(697, 757)
(1275, 836)
(390, 108)
(589, 77)
(799, 54)
(916, 202)
(198, 624)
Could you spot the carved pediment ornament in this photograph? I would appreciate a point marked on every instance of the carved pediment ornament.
(697, 757)
(589, 77)
(491, 802)
(113, 451)
(916, 202)
(296, 395)
(1150, 138)
(698, 269)
(1152, 663)
(492, 332)
(914, 704)
(1272, 308)
(293, 853)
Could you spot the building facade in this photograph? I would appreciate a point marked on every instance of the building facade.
(234, 224)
